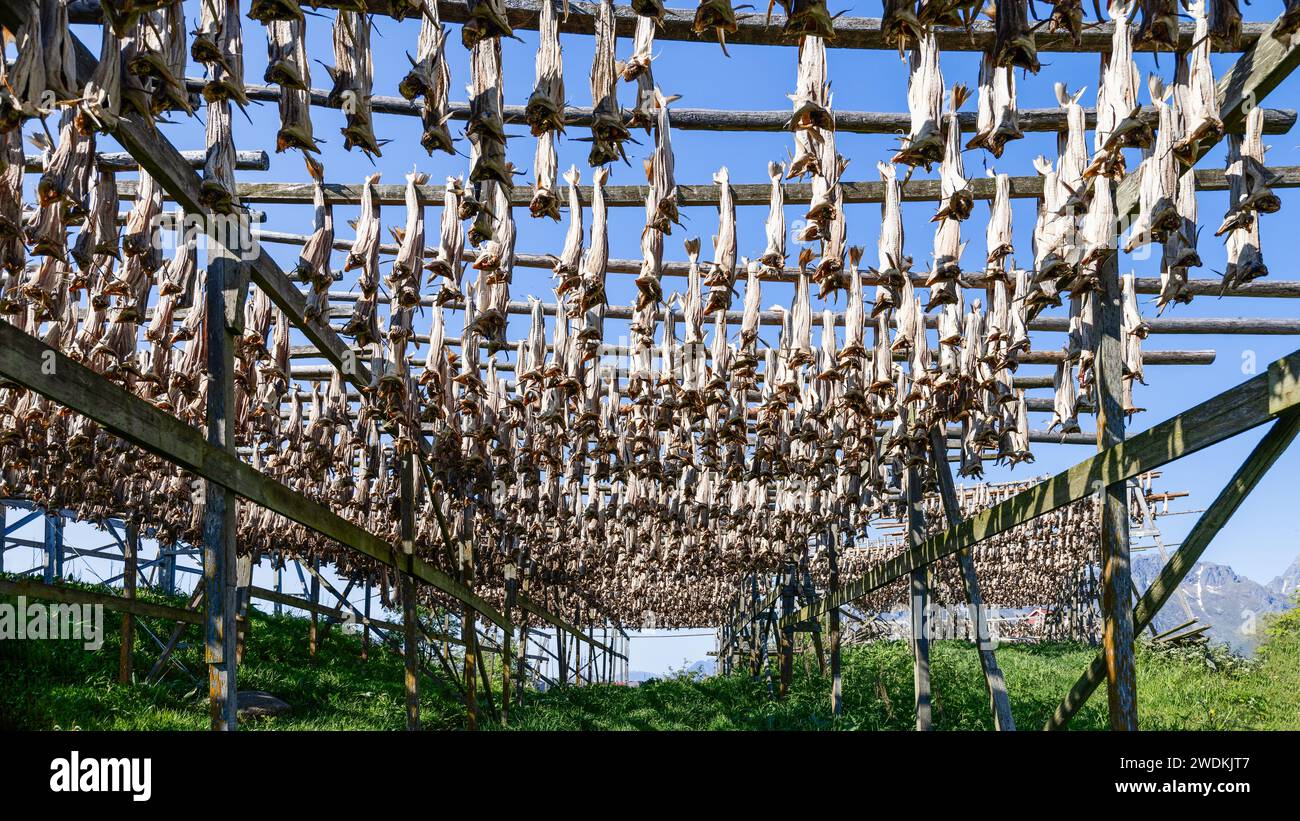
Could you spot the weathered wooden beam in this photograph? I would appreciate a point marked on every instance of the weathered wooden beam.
(130, 555)
(1276, 121)
(531, 606)
(122, 161)
(919, 603)
(751, 29)
(1232, 412)
(994, 681)
(634, 196)
(118, 604)
(410, 613)
(77, 387)
(1243, 481)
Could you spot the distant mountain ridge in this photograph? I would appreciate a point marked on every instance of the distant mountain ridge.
(1216, 595)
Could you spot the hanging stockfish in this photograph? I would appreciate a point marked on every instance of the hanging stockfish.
(1180, 248)
(1013, 43)
(486, 128)
(25, 83)
(217, 191)
(608, 129)
(1249, 195)
(1195, 97)
(637, 69)
(893, 267)
(998, 233)
(693, 317)
(800, 352)
(1158, 176)
(353, 76)
(721, 279)
(660, 173)
(717, 15)
(314, 262)
(1072, 152)
(1119, 124)
(451, 243)
(545, 202)
(998, 121)
(1066, 18)
(1224, 28)
(1054, 252)
(591, 299)
(430, 79)
(101, 98)
(955, 197)
(1098, 234)
(66, 177)
(218, 43)
(1159, 26)
(159, 53)
(924, 145)
(363, 325)
(774, 255)
(805, 18)
(1289, 23)
(900, 25)
(59, 58)
(287, 67)
(140, 234)
(649, 289)
(812, 100)
(747, 356)
(1135, 330)
(404, 285)
(487, 20)
(566, 266)
(1065, 405)
(545, 110)
(98, 236)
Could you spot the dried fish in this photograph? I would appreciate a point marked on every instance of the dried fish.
(487, 20)
(1249, 195)
(608, 126)
(1224, 26)
(1013, 44)
(774, 255)
(1195, 96)
(545, 110)
(545, 202)
(900, 25)
(567, 265)
(404, 285)
(352, 75)
(924, 145)
(486, 128)
(1119, 121)
(717, 15)
(1159, 25)
(893, 266)
(287, 66)
(998, 121)
(998, 232)
(313, 263)
(722, 276)
(660, 172)
(100, 100)
(1158, 175)
(955, 197)
(219, 43)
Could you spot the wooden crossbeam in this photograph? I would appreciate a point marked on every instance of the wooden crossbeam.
(751, 29)
(120, 604)
(1276, 121)
(1232, 412)
(634, 196)
(541, 612)
(1247, 477)
(122, 161)
(23, 359)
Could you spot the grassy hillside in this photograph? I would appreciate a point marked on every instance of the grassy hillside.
(59, 685)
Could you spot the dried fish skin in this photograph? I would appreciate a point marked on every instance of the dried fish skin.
(1195, 95)
(998, 119)
(288, 67)
(1224, 26)
(487, 20)
(545, 110)
(353, 76)
(1159, 25)
(900, 25)
(773, 256)
(717, 15)
(608, 125)
(924, 145)
(1013, 44)
(545, 202)
(486, 128)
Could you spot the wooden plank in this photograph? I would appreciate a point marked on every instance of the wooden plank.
(688, 195)
(410, 615)
(1234, 411)
(72, 384)
(130, 551)
(123, 161)
(918, 603)
(751, 29)
(118, 604)
(1243, 481)
(994, 681)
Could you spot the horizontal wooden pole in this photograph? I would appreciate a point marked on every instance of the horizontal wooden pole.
(1276, 121)
(122, 161)
(70, 595)
(29, 362)
(1232, 412)
(627, 196)
(751, 29)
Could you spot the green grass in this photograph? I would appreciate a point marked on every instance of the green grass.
(59, 685)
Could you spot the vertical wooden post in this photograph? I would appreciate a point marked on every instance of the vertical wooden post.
(227, 288)
(365, 628)
(1116, 580)
(919, 583)
(130, 553)
(786, 636)
(313, 627)
(833, 619)
(53, 547)
(994, 681)
(279, 584)
(410, 614)
(522, 660)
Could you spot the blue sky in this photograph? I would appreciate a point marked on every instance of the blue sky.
(1260, 541)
